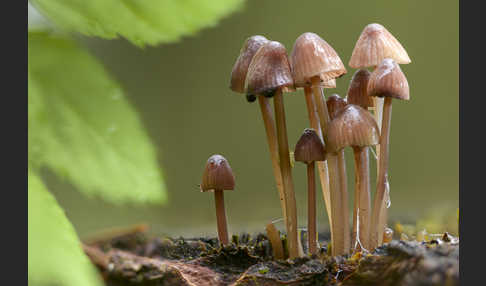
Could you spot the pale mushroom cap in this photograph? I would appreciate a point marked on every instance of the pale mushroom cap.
(358, 89)
(312, 56)
(375, 44)
(269, 70)
(388, 80)
(335, 104)
(353, 126)
(310, 147)
(217, 175)
(240, 68)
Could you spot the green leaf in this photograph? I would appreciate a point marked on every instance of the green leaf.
(83, 128)
(55, 256)
(140, 21)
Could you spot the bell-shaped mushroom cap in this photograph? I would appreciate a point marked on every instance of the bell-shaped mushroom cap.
(335, 104)
(312, 56)
(353, 126)
(269, 69)
(375, 44)
(358, 89)
(238, 74)
(388, 80)
(217, 175)
(310, 147)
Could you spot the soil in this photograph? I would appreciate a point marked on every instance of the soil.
(136, 258)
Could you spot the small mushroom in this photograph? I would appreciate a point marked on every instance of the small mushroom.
(386, 81)
(374, 45)
(335, 105)
(355, 127)
(218, 177)
(310, 149)
(238, 84)
(269, 75)
(315, 64)
(358, 89)
(240, 68)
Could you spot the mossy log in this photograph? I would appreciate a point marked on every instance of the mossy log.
(137, 259)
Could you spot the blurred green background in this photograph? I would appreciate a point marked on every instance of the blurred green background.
(181, 92)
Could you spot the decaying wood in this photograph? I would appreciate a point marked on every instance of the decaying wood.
(137, 259)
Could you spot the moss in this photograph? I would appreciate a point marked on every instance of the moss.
(248, 261)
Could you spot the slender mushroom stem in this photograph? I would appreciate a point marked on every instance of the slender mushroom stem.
(378, 113)
(269, 122)
(321, 165)
(362, 198)
(344, 199)
(338, 231)
(311, 208)
(380, 197)
(221, 217)
(274, 236)
(283, 146)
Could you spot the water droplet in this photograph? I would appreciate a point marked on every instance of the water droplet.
(374, 153)
(387, 194)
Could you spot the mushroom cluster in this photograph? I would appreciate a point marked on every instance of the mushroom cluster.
(264, 71)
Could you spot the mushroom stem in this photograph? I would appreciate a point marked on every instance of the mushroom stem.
(378, 113)
(362, 198)
(283, 147)
(338, 230)
(269, 123)
(274, 237)
(379, 203)
(343, 192)
(311, 208)
(221, 217)
(321, 165)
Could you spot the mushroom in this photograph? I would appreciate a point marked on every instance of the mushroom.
(358, 95)
(334, 105)
(386, 81)
(269, 75)
(314, 65)
(310, 149)
(355, 127)
(238, 84)
(218, 177)
(374, 45)
(358, 90)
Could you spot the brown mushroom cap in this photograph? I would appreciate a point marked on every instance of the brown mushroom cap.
(375, 44)
(217, 175)
(388, 80)
(240, 68)
(269, 69)
(312, 56)
(335, 104)
(358, 89)
(310, 147)
(353, 126)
